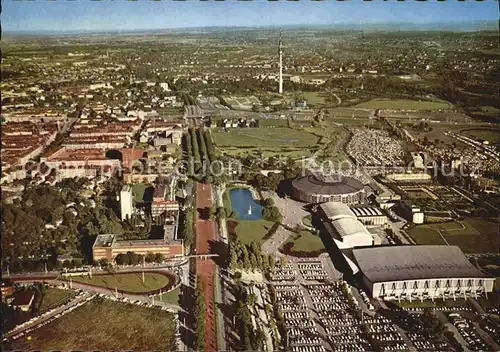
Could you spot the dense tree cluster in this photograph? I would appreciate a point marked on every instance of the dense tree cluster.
(248, 257)
(47, 221)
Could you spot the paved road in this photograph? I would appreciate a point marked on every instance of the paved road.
(206, 268)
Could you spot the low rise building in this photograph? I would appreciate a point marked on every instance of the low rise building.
(108, 247)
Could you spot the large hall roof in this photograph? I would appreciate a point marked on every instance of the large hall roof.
(414, 262)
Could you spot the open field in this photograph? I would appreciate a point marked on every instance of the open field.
(312, 98)
(339, 113)
(248, 231)
(53, 297)
(273, 123)
(102, 325)
(471, 235)
(130, 282)
(305, 241)
(403, 104)
(270, 137)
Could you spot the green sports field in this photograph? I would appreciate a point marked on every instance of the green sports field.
(471, 235)
(131, 282)
(403, 104)
(264, 137)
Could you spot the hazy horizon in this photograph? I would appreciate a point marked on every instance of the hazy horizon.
(114, 16)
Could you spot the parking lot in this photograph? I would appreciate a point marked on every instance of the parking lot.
(321, 314)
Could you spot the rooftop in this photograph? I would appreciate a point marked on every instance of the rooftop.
(331, 184)
(349, 227)
(413, 262)
(336, 210)
(361, 211)
(23, 298)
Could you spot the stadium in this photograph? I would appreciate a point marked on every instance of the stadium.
(319, 188)
(419, 272)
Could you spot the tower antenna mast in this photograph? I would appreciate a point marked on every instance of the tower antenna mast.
(280, 51)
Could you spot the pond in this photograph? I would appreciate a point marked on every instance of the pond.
(244, 206)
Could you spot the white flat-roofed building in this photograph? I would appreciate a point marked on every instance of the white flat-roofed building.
(126, 202)
(368, 215)
(420, 272)
(348, 233)
(335, 210)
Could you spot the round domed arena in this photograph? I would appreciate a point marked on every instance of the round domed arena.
(319, 188)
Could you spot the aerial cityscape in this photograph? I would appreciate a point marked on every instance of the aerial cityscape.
(250, 176)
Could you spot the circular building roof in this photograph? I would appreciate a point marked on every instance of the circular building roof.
(327, 184)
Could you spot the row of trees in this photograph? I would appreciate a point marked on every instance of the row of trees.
(71, 230)
(131, 258)
(251, 339)
(201, 156)
(248, 257)
(200, 317)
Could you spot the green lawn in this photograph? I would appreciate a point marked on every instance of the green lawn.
(404, 104)
(54, 297)
(250, 230)
(131, 282)
(172, 297)
(478, 236)
(273, 123)
(425, 234)
(102, 325)
(313, 98)
(264, 137)
(306, 220)
(491, 135)
(305, 241)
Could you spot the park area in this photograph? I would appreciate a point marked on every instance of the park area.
(248, 231)
(264, 137)
(471, 235)
(404, 104)
(303, 244)
(102, 325)
(127, 282)
(138, 191)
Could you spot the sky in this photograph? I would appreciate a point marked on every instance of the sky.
(105, 15)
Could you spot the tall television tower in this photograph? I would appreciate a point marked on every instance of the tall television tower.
(280, 51)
